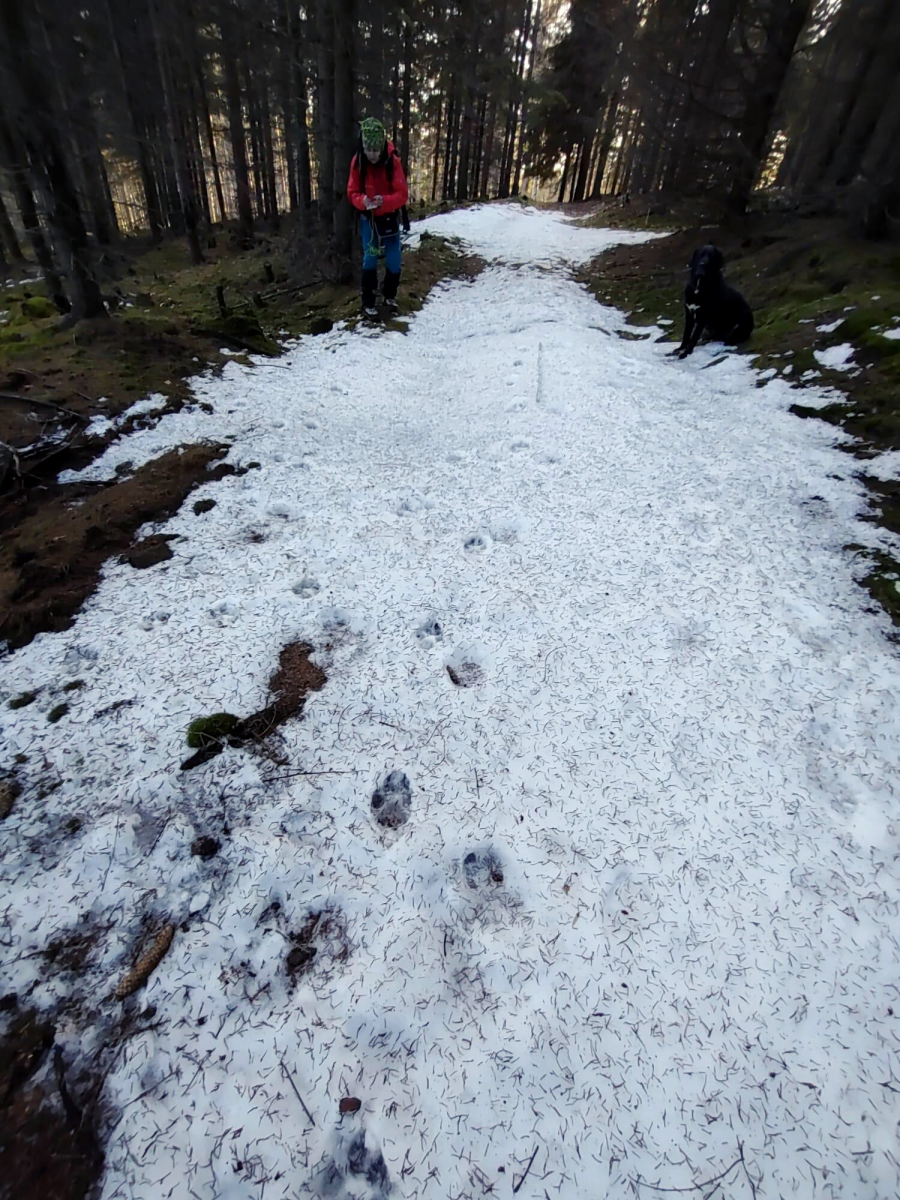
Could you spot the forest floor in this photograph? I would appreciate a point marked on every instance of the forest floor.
(577, 876)
(124, 373)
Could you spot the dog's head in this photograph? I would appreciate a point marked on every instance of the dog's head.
(706, 264)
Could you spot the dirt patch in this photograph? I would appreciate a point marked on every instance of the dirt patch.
(320, 942)
(55, 545)
(297, 675)
(152, 550)
(49, 1148)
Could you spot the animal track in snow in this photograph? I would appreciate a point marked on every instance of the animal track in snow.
(225, 612)
(520, 444)
(429, 632)
(476, 543)
(336, 619)
(279, 508)
(306, 587)
(483, 868)
(357, 1170)
(410, 505)
(157, 618)
(392, 800)
(506, 530)
(466, 666)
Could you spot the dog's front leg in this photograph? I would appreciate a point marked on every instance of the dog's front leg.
(682, 350)
(690, 342)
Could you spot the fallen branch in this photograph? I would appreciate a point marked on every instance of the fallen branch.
(57, 408)
(291, 289)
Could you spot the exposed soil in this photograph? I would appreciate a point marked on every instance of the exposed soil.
(56, 540)
(290, 685)
(48, 1147)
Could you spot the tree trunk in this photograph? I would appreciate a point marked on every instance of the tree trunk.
(255, 140)
(325, 112)
(465, 144)
(344, 133)
(43, 146)
(271, 182)
(584, 164)
(870, 107)
(179, 142)
(8, 236)
(300, 117)
(436, 161)
(535, 42)
(407, 93)
(236, 132)
(560, 199)
(148, 182)
(451, 125)
(606, 140)
(753, 128)
(210, 140)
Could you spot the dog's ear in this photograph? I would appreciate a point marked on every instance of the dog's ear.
(718, 257)
(694, 258)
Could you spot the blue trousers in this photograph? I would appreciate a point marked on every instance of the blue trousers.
(370, 248)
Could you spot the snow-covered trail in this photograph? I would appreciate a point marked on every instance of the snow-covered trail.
(644, 911)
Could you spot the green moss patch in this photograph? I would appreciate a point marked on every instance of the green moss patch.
(205, 731)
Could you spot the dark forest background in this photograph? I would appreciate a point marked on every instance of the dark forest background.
(174, 116)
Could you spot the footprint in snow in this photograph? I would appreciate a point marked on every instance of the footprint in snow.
(392, 800)
(520, 444)
(506, 530)
(306, 587)
(411, 505)
(357, 1168)
(336, 619)
(476, 543)
(225, 612)
(483, 868)
(429, 632)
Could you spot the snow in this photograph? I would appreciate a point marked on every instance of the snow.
(831, 326)
(836, 358)
(117, 452)
(886, 466)
(509, 233)
(642, 915)
(892, 335)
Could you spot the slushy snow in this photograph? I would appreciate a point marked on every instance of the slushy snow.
(589, 625)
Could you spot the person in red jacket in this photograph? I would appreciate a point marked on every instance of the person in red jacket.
(377, 187)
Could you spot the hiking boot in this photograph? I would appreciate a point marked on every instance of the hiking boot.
(370, 311)
(391, 305)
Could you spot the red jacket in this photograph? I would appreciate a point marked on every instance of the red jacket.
(393, 190)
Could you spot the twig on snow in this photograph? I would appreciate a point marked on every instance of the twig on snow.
(699, 1187)
(290, 1080)
(524, 1175)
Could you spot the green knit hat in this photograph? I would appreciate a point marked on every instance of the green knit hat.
(373, 134)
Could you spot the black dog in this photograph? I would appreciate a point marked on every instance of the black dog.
(709, 303)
